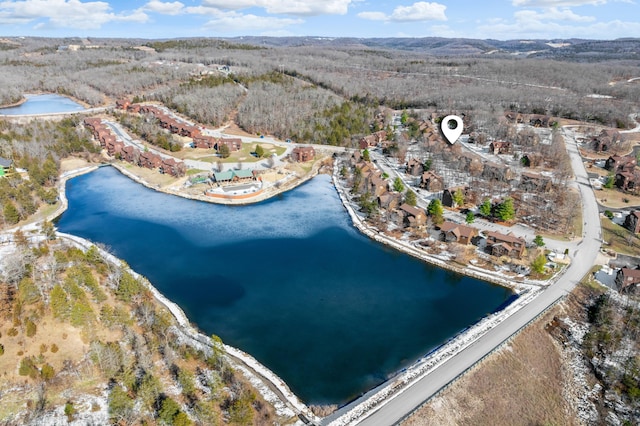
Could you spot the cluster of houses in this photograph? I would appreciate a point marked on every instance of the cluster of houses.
(627, 177)
(535, 120)
(181, 128)
(131, 154)
(409, 217)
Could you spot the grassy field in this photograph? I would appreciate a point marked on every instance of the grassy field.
(619, 239)
(520, 385)
(244, 155)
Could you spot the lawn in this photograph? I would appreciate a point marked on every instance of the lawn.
(619, 239)
(244, 155)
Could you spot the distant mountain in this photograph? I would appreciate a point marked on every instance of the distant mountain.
(575, 49)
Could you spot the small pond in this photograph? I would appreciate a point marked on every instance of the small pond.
(43, 104)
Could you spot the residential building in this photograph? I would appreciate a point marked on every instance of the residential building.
(627, 279)
(499, 244)
(454, 232)
(632, 221)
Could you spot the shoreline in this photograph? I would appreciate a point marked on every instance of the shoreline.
(271, 387)
(245, 199)
(373, 399)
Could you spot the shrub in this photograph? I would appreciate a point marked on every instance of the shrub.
(69, 410)
(28, 368)
(43, 348)
(54, 348)
(13, 332)
(1, 349)
(47, 373)
(608, 214)
(30, 328)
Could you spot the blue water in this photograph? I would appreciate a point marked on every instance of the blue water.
(288, 280)
(43, 104)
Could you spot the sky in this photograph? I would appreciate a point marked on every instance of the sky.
(480, 19)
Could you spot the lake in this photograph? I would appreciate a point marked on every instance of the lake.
(43, 104)
(288, 280)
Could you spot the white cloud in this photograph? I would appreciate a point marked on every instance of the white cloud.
(65, 13)
(288, 7)
(556, 3)
(558, 29)
(236, 22)
(419, 11)
(164, 8)
(553, 14)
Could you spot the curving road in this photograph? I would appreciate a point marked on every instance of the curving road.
(583, 255)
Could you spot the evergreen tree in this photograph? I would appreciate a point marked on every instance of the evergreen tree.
(506, 211)
(470, 218)
(436, 211)
(365, 155)
(410, 198)
(458, 197)
(485, 208)
(398, 186)
(11, 214)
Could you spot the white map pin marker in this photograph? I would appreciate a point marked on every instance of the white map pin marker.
(451, 127)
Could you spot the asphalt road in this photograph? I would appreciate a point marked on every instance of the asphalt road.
(583, 257)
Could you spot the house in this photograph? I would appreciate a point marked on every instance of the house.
(204, 142)
(537, 120)
(114, 148)
(414, 167)
(606, 140)
(123, 104)
(373, 139)
(621, 163)
(431, 182)
(532, 159)
(470, 163)
(172, 167)
(130, 154)
(149, 160)
(627, 279)
(234, 144)
(514, 117)
(377, 186)
(632, 221)
(499, 244)
(412, 216)
(628, 181)
(302, 154)
(356, 158)
(448, 198)
(500, 147)
(233, 176)
(535, 182)
(5, 166)
(389, 200)
(494, 171)
(456, 233)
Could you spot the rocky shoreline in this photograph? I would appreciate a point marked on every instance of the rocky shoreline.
(272, 388)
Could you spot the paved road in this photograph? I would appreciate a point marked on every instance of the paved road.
(583, 257)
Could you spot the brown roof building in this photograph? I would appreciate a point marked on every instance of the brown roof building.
(500, 244)
(454, 232)
(302, 154)
(627, 279)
